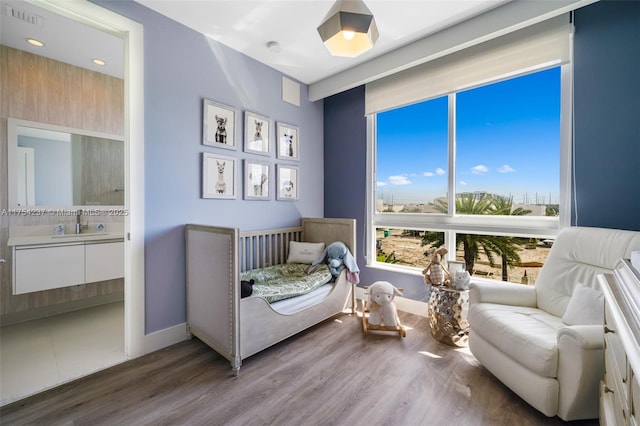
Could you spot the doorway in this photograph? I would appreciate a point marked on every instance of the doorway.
(132, 310)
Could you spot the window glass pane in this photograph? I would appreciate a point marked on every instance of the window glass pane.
(404, 247)
(411, 156)
(483, 256)
(508, 145)
(524, 257)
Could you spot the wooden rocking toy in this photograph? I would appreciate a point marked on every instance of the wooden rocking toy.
(379, 312)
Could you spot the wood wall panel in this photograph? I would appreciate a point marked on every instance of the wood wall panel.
(48, 91)
(39, 89)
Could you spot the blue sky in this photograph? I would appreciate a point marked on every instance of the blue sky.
(507, 143)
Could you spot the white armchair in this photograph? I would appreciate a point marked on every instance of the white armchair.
(545, 342)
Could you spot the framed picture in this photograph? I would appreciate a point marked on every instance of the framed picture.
(287, 181)
(257, 179)
(256, 134)
(218, 176)
(218, 125)
(288, 142)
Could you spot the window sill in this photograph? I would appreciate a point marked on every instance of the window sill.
(413, 271)
(409, 270)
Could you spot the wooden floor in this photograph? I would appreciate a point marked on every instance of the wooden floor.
(329, 375)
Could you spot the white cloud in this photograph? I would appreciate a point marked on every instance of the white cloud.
(440, 171)
(479, 169)
(506, 169)
(429, 174)
(463, 183)
(381, 184)
(399, 180)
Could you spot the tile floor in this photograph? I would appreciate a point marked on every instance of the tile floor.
(42, 354)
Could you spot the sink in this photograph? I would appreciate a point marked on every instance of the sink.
(84, 234)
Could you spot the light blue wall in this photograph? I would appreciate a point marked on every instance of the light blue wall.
(607, 123)
(181, 68)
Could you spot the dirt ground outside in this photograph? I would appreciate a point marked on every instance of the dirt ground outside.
(410, 252)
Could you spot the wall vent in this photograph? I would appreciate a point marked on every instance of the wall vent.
(22, 15)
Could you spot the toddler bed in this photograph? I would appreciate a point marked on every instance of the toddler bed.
(218, 257)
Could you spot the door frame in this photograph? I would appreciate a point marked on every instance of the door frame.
(132, 34)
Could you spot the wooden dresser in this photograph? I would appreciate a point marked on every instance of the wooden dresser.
(620, 387)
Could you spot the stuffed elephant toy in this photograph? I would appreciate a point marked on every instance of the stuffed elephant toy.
(338, 258)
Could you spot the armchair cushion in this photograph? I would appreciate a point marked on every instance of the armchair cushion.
(578, 255)
(586, 307)
(528, 335)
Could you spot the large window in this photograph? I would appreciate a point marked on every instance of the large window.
(482, 171)
(506, 149)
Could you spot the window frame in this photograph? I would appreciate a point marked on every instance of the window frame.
(452, 223)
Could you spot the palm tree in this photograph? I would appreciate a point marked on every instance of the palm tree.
(510, 255)
(472, 244)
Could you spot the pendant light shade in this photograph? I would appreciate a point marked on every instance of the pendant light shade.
(349, 29)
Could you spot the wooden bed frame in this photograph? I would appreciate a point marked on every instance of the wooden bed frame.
(238, 327)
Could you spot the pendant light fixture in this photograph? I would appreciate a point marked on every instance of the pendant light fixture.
(349, 29)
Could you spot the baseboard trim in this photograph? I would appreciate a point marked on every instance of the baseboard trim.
(170, 336)
(162, 338)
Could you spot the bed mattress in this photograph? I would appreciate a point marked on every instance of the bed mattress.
(279, 282)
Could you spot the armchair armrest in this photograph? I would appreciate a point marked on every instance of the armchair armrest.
(580, 369)
(586, 337)
(504, 293)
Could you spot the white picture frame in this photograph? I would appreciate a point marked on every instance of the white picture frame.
(218, 125)
(455, 266)
(257, 132)
(288, 188)
(218, 176)
(288, 141)
(257, 180)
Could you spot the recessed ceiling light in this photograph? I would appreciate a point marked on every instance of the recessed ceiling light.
(99, 62)
(274, 46)
(34, 42)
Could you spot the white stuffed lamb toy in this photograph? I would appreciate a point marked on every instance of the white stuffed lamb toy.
(381, 306)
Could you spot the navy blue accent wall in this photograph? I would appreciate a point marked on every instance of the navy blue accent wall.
(607, 115)
(607, 123)
(345, 152)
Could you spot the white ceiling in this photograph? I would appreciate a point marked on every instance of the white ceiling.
(64, 39)
(244, 25)
(411, 32)
(248, 25)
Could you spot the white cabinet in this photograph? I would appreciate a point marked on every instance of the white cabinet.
(45, 267)
(620, 387)
(103, 261)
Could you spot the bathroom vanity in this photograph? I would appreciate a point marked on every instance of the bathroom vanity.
(44, 261)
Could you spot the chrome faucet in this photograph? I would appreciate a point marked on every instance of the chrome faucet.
(78, 222)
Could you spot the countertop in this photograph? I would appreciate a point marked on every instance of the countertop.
(43, 235)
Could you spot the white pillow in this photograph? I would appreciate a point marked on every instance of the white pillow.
(586, 307)
(304, 252)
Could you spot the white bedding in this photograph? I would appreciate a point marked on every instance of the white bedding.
(296, 304)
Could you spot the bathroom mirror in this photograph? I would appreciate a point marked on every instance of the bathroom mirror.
(53, 166)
